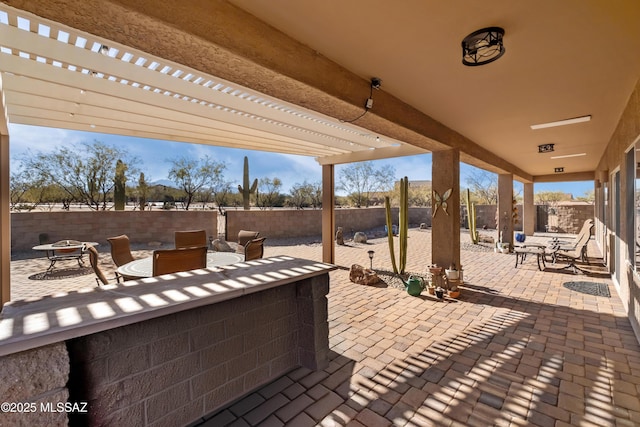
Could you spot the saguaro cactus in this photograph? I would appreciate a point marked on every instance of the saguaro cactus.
(403, 227)
(244, 188)
(143, 189)
(471, 214)
(119, 196)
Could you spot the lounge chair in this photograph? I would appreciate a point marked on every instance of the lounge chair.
(190, 239)
(571, 245)
(167, 261)
(572, 255)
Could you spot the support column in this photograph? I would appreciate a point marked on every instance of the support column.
(505, 207)
(5, 222)
(328, 213)
(5, 206)
(445, 234)
(529, 210)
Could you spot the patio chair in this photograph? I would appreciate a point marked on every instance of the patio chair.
(167, 261)
(254, 249)
(244, 237)
(574, 254)
(581, 241)
(190, 239)
(93, 260)
(587, 225)
(121, 253)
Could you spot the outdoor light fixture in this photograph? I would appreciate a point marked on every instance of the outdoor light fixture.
(568, 155)
(371, 258)
(558, 170)
(545, 148)
(376, 83)
(483, 46)
(562, 122)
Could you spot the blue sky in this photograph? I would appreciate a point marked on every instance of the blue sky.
(290, 169)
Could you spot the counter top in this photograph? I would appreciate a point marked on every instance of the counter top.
(26, 325)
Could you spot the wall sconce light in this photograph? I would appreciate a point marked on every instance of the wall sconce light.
(483, 46)
(371, 259)
(545, 148)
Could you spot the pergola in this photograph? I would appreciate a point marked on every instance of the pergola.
(289, 76)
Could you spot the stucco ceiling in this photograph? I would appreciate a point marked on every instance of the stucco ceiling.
(563, 59)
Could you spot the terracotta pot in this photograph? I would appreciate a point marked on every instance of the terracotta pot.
(454, 294)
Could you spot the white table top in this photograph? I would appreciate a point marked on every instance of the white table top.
(144, 267)
(57, 246)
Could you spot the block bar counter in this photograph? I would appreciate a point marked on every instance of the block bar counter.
(165, 350)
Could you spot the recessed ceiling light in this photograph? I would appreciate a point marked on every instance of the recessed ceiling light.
(562, 122)
(569, 155)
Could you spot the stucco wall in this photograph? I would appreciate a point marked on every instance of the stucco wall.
(626, 133)
(141, 227)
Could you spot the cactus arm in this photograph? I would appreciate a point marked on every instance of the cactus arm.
(387, 207)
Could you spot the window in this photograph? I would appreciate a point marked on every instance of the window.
(632, 164)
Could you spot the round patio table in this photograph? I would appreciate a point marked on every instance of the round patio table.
(65, 250)
(144, 267)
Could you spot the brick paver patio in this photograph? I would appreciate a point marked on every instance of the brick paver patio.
(518, 348)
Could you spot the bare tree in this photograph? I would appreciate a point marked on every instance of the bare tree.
(362, 179)
(484, 186)
(268, 192)
(193, 175)
(85, 174)
(222, 192)
(305, 194)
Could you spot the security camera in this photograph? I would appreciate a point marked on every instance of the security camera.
(376, 83)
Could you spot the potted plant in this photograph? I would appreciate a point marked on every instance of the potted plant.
(452, 272)
(454, 291)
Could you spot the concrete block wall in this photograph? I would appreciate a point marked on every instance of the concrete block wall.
(176, 369)
(141, 227)
(572, 217)
(37, 380)
(298, 223)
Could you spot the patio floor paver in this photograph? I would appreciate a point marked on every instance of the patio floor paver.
(517, 348)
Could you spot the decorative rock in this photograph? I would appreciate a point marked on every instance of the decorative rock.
(423, 226)
(485, 239)
(221, 246)
(363, 276)
(360, 237)
(339, 237)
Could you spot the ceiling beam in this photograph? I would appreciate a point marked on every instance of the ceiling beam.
(566, 177)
